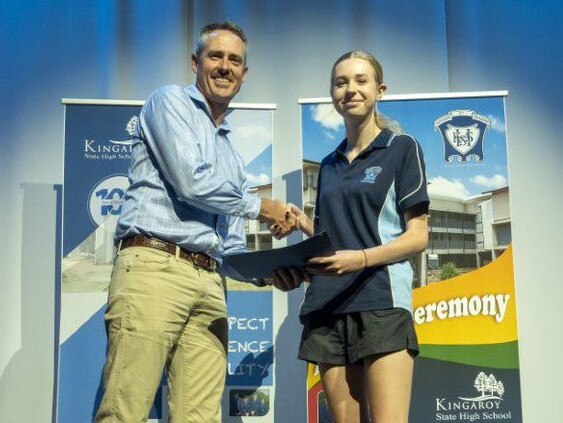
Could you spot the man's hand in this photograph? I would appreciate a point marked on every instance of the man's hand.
(275, 213)
(272, 211)
(288, 279)
(298, 221)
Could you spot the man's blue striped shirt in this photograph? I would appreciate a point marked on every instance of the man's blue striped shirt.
(188, 183)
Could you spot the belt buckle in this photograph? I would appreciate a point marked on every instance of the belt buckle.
(157, 243)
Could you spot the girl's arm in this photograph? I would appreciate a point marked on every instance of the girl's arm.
(414, 240)
(304, 224)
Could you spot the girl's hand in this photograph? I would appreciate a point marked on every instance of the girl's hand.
(340, 263)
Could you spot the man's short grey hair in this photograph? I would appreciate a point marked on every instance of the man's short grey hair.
(227, 26)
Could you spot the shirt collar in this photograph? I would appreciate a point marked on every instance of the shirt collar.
(196, 95)
(380, 141)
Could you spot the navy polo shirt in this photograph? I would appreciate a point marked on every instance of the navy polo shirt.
(361, 205)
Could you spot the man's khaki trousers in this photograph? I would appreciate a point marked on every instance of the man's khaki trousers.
(166, 314)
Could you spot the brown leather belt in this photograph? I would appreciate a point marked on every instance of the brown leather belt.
(198, 259)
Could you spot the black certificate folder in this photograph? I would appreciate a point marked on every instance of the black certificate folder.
(262, 264)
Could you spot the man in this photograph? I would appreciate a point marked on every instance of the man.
(185, 208)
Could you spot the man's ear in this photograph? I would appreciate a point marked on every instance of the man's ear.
(194, 63)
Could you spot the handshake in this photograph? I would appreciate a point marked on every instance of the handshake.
(284, 218)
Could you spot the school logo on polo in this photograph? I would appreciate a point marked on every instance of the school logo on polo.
(462, 132)
(371, 174)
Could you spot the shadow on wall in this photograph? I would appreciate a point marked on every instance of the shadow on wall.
(30, 372)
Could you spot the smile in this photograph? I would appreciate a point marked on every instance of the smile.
(222, 80)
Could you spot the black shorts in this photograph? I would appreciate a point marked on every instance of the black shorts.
(349, 338)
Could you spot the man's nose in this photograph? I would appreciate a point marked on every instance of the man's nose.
(224, 64)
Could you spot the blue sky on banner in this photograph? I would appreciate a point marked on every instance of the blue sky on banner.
(323, 129)
(252, 137)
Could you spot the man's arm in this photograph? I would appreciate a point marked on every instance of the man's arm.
(166, 124)
(234, 243)
(167, 127)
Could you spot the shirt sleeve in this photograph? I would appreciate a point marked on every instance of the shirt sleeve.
(167, 127)
(233, 243)
(235, 239)
(411, 180)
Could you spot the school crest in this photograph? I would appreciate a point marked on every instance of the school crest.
(462, 132)
(371, 174)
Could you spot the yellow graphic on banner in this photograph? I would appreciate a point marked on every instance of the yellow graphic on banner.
(471, 309)
(313, 375)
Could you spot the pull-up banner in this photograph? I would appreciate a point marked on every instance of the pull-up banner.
(464, 305)
(97, 151)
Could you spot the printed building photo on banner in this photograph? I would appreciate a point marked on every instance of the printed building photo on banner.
(245, 402)
(464, 306)
(98, 142)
